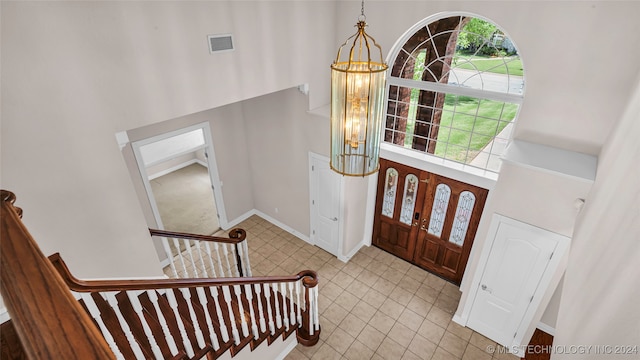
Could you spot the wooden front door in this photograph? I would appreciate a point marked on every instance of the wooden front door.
(426, 219)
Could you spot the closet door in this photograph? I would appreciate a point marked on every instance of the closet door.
(451, 214)
(401, 191)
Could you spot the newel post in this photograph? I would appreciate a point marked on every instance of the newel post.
(308, 333)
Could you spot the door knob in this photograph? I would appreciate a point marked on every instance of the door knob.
(335, 219)
(485, 288)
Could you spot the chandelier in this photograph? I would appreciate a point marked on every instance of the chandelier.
(357, 94)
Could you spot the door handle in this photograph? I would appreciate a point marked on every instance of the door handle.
(485, 288)
(335, 219)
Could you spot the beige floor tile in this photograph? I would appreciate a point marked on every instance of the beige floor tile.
(377, 267)
(410, 319)
(358, 289)
(384, 286)
(431, 331)
(340, 340)
(353, 269)
(364, 311)
(374, 298)
(358, 351)
(474, 353)
(442, 354)
(401, 334)
(417, 273)
(460, 331)
(453, 344)
(342, 279)
(390, 350)
(335, 313)
(352, 325)
(422, 347)
(393, 275)
(408, 355)
(326, 327)
(296, 354)
(401, 296)
(446, 303)
(362, 259)
(331, 291)
(419, 306)
(309, 351)
(371, 337)
(327, 272)
(481, 342)
(427, 293)
(382, 322)
(326, 352)
(391, 308)
(439, 317)
(347, 300)
(409, 284)
(368, 277)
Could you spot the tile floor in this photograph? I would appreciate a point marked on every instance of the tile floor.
(376, 306)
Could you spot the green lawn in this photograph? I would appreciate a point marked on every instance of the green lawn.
(461, 127)
(496, 65)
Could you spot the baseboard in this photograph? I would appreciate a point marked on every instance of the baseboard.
(352, 253)
(233, 223)
(546, 328)
(284, 227)
(177, 167)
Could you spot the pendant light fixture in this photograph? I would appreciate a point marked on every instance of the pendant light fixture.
(357, 94)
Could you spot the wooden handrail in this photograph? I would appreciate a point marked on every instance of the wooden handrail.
(310, 279)
(50, 323)
(235, 236)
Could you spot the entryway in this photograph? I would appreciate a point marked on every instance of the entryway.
(426, 219)
(180, 177)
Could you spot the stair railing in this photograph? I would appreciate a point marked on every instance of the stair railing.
(49, 322)
(203, 256)
(192, 318)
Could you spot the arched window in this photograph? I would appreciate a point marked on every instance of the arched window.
(454, 90)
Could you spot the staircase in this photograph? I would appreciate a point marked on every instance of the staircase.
(212, 307)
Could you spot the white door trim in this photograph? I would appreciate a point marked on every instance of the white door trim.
(547, 285)
(211, 165)
(313, 157)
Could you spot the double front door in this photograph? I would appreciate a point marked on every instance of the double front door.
(426, 219)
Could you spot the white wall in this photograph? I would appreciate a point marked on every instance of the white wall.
(600, 297)
(75, 73)
(280, 135)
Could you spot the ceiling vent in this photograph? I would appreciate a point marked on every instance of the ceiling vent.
(220, 43)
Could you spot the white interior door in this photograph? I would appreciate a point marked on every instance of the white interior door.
(512, 276)
(325, 186)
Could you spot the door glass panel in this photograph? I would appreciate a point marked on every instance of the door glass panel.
(463, 215)
(390, 186)
(409, 199)
(439, 209)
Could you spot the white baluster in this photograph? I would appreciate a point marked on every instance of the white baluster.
(137, 307)
(211, 264)
(234, 329)
(113, 302)
(176, 244)
(226, 257)
(252, 315)
(300, 305)
(223, 327)
(201, 258)
(246, 258)
(167, 250)
(310, 314)
(171, 297)
(202, 297)
(277, 305)
(315, 308)
(95, 313)
(215, 246)
(263, 324)
(243, 322)
(267, 294)
(292, 316)
(186, 294)
(187, 244)
(285, 314)
(153, 296)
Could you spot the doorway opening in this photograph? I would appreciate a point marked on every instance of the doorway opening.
(181, 180)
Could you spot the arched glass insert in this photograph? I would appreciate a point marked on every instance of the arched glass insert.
(391, 184)
(439, 209)
(461, 219)
(409, 199)
(454, 89)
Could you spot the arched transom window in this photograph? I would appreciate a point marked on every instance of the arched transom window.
(454, 89)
